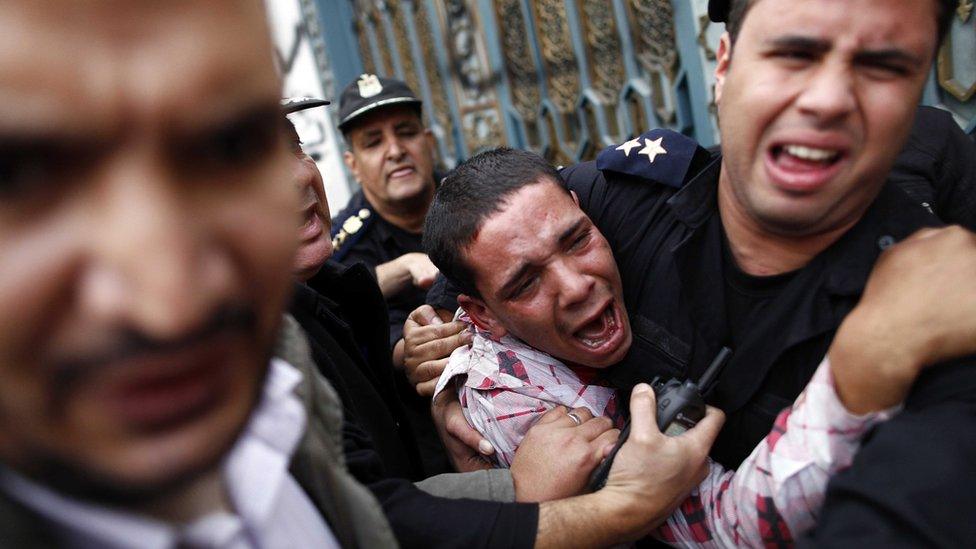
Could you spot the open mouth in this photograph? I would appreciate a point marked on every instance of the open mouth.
(601, 331)
(312, 227)
(797, 167)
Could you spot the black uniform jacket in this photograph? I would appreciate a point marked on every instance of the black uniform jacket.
(911, 474)
(375, 242)
(344, 323)
(350, 350)
(369, 241)
(937, 167)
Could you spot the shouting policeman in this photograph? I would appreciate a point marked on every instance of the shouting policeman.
(767, 247)
(391, 155)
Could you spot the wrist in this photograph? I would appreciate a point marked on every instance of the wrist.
(873, 367)
(629, 517)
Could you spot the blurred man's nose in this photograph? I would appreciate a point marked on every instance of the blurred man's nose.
(152, 264)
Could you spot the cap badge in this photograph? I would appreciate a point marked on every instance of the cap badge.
(369, 85)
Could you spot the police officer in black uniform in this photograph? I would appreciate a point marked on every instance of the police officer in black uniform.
(391, 154)
(656, 200)
(688, 296)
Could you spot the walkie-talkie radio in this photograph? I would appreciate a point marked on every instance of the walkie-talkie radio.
(680, 406)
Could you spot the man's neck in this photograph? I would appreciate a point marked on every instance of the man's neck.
(760, 252)
(408, 214)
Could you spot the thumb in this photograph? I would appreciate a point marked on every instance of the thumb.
(643, 411)
(458, 428)
(708, 428)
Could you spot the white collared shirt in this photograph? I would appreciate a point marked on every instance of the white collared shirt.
(271, 509)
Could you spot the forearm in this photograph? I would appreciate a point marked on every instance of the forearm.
(913, 483)
(873, 367)
(487, 485)
(777, 491)
(392, 277)
(600, 519)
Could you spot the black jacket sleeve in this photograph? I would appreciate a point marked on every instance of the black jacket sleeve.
(422, 520)
(913, 484)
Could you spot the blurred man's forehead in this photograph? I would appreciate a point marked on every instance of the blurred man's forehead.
(87, 66)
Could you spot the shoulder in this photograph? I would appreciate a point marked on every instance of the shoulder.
(351, 225)
(656, 161)
(935, 139)
(660, 156)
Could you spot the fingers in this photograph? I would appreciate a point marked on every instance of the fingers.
(443, 346)
(457, 426)
(604, 443)
(426, 281)
(583, 414)
(428, 334)
(595, 427)
(427, 375)
(557, 413)
(430, 370)
(643, 412)
(425, 315)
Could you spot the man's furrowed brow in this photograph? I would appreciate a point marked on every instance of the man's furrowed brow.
(512, 281)
(571, 231)
(888, 56)
(799, 43)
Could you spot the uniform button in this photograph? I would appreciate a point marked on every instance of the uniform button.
(886, 242)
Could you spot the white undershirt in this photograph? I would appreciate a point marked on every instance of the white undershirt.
(271, 509)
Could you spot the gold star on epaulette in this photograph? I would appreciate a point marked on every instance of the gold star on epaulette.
(352, 225)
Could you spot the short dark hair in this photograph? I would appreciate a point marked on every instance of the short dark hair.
(478, 188)
(739, 8)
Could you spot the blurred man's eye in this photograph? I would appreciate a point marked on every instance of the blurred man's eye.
(238, 144)
(29, 169)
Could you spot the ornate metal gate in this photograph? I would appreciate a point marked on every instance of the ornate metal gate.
(566, 77)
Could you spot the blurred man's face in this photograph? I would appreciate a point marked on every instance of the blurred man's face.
(815, 101)
(146, 237)
(314, 238)
(391, 154)
(547, 276)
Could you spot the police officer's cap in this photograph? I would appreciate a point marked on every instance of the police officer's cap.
(371, 92)
(295, 104)
(718, 10)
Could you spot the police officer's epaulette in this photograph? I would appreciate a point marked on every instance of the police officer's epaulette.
(659, 155)
(348, 229)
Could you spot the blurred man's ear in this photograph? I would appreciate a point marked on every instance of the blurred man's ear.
(482, 316)
(722, 67)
